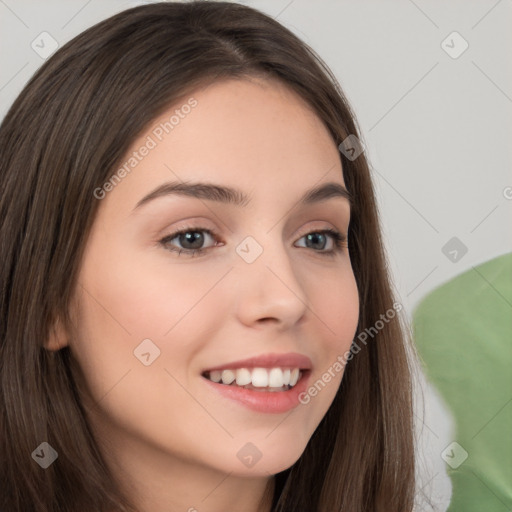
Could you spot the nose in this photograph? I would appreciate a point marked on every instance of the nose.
(270, 290)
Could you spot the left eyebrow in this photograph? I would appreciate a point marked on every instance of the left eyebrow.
(228, 195)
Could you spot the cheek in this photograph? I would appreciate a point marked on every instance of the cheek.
(125, 300)
(117, 315)
(144, 295)
(335, 305)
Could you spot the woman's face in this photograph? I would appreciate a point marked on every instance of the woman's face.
(152, 321)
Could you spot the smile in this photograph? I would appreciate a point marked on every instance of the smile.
(262, 379)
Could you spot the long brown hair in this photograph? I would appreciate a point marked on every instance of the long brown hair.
(63, 138)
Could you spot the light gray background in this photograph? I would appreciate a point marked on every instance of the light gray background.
(436, 128)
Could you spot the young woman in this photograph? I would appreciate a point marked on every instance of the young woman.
(196, 310)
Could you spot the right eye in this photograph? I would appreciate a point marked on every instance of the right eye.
(191, 240)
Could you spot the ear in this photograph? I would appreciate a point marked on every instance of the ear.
(58, 337)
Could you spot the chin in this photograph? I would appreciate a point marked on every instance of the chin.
(267, 462)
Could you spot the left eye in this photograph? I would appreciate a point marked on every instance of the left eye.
(192, 240)
(322, 238)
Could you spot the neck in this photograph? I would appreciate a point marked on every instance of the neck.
(156, 482)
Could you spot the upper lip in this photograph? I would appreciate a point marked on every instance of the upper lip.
(290, 359)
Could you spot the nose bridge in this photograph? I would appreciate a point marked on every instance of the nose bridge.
(270, 287)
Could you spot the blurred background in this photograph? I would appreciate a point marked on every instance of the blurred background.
(431, 87)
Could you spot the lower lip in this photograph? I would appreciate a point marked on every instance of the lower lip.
(272, 402)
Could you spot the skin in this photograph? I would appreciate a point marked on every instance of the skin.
(170, 439)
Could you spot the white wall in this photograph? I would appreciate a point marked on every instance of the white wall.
(437, 128)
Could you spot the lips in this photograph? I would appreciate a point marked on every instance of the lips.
(269, 400)
(289, 360)
(269, 383)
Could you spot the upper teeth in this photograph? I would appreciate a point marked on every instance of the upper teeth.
(258, 377)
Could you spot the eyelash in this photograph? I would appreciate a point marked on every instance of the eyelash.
(339, 239)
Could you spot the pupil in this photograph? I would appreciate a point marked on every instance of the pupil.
(195, 238)
(314, 237)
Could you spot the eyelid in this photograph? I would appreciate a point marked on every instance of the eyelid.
(318, 228)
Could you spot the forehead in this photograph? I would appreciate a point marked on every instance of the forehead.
(253, 134)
